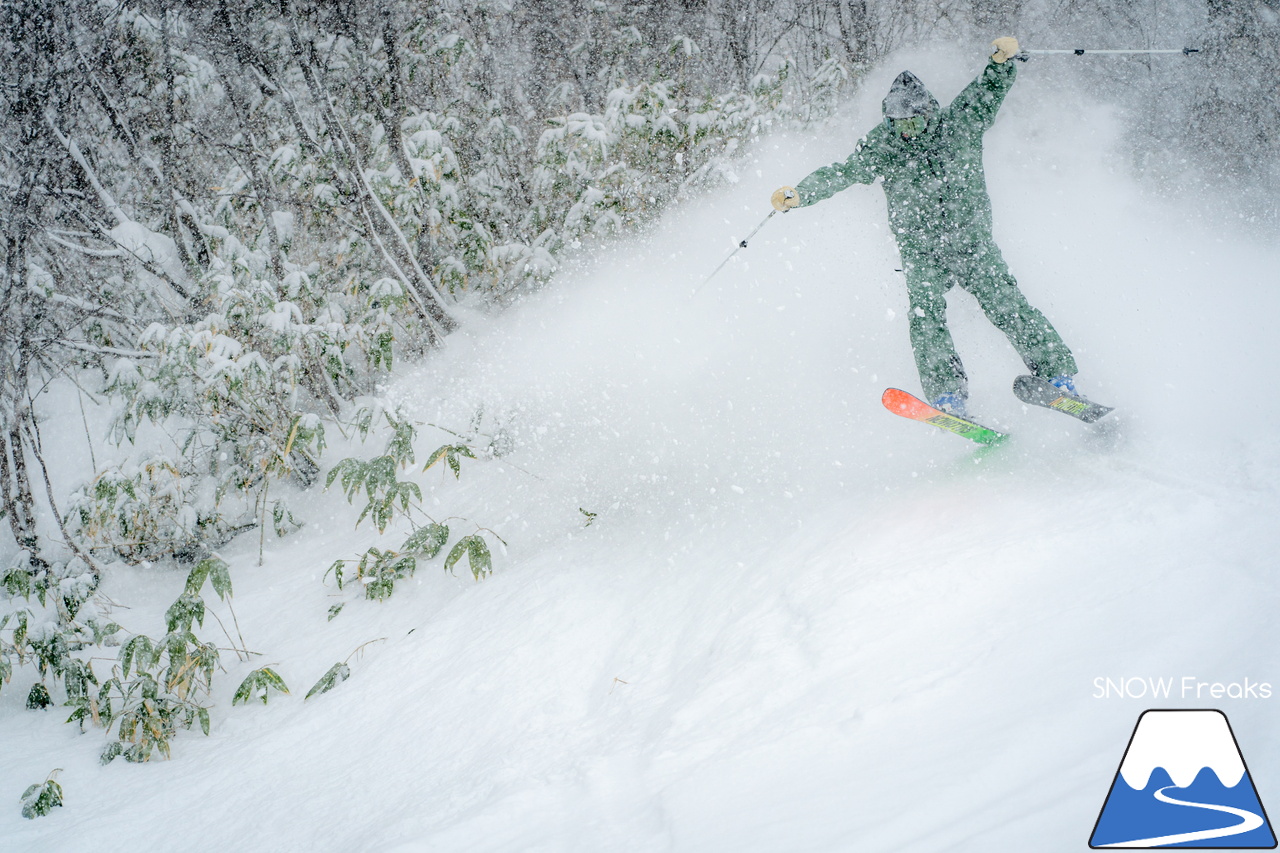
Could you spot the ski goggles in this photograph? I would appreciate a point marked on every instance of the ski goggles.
(908, 127)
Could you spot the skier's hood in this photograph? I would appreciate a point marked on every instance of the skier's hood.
(908, 97)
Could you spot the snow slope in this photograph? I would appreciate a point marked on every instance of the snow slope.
(797, 622)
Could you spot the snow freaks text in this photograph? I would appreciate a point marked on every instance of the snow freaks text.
(1186, 687)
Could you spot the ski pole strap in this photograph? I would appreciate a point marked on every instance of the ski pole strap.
(1080, 51)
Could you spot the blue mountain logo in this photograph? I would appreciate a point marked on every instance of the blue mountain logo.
(1183, 783)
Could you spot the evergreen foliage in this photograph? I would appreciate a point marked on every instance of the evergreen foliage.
(42, 798)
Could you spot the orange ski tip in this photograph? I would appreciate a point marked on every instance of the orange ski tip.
(907, 405)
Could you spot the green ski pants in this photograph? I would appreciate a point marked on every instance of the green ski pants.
(981, 271)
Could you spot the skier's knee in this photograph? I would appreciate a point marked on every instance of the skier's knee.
(927, 304)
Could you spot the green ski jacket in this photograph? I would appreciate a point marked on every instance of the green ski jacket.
(934, 184)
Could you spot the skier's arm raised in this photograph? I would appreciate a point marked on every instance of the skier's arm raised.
(976, 106)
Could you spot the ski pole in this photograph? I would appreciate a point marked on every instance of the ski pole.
(1079, 51)
(742, 245)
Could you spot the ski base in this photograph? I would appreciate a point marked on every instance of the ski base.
(913, 408)
(1040, 392)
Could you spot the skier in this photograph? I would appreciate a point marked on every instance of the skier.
(930, 160)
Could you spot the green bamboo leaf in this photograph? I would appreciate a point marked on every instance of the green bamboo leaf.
(187, 609)
(427, 541)
(17, 582)
(400, 447)
(405, 565)
(436, 456)
(196, 578)
(38, 699)
(380, 589)
(77, 676)
(354, 477)
(110, 752)
(273, 680)
(478, 554)
(382, 474)
(137, 650)
(386, 343)
(336, 568)
(455, 555)
(20, 629)
(408, 491)
(80, 713)
(260, 682)
(245, 691)
(337, 674)
(39, 800)
(352, 471)
(219, 577)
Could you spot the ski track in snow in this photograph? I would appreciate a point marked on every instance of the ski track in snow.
(797, 622)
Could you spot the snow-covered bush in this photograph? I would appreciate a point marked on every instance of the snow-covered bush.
(232, 221)
(139, 512)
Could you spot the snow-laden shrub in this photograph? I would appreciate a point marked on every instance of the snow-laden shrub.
(653, 144)
(139, 511)
(242, 229)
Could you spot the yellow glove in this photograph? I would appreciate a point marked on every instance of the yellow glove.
(1006, 47)
(785, 198)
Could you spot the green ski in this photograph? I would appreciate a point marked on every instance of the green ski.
(905, 405)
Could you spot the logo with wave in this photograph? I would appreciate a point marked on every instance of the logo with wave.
(1183, 783)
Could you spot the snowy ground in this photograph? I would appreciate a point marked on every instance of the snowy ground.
(797, 622)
